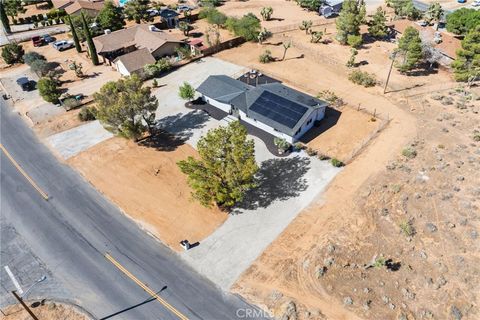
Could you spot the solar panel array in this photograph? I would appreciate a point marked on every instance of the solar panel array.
(278, 109)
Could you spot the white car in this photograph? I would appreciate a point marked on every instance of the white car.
(476, 3)
(63, 45)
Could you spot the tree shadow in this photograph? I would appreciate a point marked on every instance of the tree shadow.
(277, 179)
(161, 141)
(393, 266)
(182, 124)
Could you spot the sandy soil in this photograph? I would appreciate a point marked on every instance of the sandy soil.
(121, 170)
(48, 311)
(58, 124)
(352, 130)
(287, 271)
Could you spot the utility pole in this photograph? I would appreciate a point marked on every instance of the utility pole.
(392, 56)
(24, 305)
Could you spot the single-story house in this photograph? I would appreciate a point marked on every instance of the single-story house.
(133, 62)
(277, 109)
(73, 7)
(114, 44)
(170, 17)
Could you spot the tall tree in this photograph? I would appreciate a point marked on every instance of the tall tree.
(111, 17)
(48, 89)
(463, 20)
(12, 53)
(186, 91)
(404, 8)
(124, 106)
(14, 7)
(91, 46)
(378, 25)
(410, 48)
(4, 18)
(351, 17)
(434, 13)
(137, 10)
(467, 65)
(78, 47)
(226, 168)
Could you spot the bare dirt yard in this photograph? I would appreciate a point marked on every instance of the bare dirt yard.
(147, 184)
(48, 311)
(415, 215)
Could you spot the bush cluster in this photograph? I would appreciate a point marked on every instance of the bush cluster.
(362, 78)
(87, 114)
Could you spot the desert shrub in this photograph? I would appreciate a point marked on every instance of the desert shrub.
(70, 103)
(41, 67)
(87, 114)
(362, 78)
(437, 97)
(281, 144)
(446, 101)
(380, 262)
(476, 136)
(409, 152)
(311, 152)
(323, 156)
(155, 83)
(266, 57)
(354, 41)
(330, 97)
(336, 163)
(299, 146)
(32, 56)
(407, 228)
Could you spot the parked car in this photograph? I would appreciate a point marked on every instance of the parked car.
(153, 12)
(423, 23)
(461, 1)
(26, 85)
(63, 45)
(184, 7)
(476, 3)
(47, 38)
(37, 41)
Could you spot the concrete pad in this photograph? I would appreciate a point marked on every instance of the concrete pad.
(288, 185)
(44, 112)
(71, 142)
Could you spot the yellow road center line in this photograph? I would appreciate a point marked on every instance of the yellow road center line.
(144, 287)
(19, 168)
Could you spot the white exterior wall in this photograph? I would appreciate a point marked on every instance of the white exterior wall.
(265, 127)
(222, 106)
(121, 68)
(315, 116)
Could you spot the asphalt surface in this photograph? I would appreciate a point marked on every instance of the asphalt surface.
(71, 232)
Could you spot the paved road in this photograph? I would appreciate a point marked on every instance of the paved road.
(72, 231)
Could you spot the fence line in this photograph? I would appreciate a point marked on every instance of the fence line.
(295, 26)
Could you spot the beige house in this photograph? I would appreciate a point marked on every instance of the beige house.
(73, 7)
(143, 36)
(133, 62)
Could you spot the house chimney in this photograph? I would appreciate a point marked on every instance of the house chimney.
(108, 31)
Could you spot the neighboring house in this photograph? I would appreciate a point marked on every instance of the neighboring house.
(73, 7)
(330, 7)
(170, 17)
(447, 47)
(115, 44)
(133, 62)
(279, 110)
(196, 46)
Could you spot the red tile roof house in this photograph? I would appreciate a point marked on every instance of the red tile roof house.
(121, 46)
(447, 48)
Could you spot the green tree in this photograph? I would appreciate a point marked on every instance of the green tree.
(184, 27)
(48, 89)
(410, 49)
(4, 18)
(13, 8)
(12, 53)
(78, 47)
(124, 106)
(91, 46)
(351, 17)
(213, 16)
(111, 17)
(463, 20)
(306, 25)
(404, 8)
(377, 27)
(266, 13)
(247, 27)
(32, 56)
(226, 168)
(137, 10)
(434, 13)
(312, 5)
(354, 41)
(351, 62)
(186, 91)
(467, 65)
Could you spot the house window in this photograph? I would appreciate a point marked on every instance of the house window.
(309, 121)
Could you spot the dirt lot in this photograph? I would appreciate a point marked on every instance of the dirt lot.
(317, 266)
(123, 171)
(48, 311)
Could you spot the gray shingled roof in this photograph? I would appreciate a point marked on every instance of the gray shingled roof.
(222, 88)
